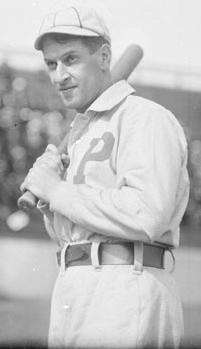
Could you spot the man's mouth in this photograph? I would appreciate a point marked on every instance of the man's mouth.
(64, 89)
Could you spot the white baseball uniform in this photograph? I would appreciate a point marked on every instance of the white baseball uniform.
(127, 179)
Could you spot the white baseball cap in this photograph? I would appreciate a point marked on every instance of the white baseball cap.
(74, 20)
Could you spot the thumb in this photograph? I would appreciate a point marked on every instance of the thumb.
(52, 148)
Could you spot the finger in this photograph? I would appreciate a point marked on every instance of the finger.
(22, 187)
(37, 172)
(52, 148)
(32, 181)
(25, 185)
(50, 161)
(33, 188)
(47, 156)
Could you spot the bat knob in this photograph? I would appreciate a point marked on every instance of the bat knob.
(27, 201)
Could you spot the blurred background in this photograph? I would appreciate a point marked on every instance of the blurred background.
(31, 116)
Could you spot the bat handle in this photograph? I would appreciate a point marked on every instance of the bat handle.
(27, 201)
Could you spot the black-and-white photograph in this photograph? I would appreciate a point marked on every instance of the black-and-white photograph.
(100, 174)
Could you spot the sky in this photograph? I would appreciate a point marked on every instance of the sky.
(168, 30)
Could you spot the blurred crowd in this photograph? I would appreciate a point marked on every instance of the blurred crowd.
(31, 116)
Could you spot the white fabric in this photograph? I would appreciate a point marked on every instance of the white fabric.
(114, 307)
(74, 20)
(127, 179)
(141, 190)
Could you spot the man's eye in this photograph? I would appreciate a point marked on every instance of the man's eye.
(69, 60)
(51, 65)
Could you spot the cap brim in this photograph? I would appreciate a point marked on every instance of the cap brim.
(71, 30)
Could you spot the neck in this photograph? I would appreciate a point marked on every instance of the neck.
(104, 86)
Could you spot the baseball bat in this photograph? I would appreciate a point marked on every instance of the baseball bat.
(121, 70)
(127, 63)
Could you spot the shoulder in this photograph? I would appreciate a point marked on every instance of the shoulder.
(141, 108)
(138, 110)
(139, 105)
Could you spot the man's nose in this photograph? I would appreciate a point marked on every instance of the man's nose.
(61, 73)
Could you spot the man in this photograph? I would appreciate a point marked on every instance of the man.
(119, 205)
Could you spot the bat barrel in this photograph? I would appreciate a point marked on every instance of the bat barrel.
(127, 62)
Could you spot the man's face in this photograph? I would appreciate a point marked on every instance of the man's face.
(74, 71)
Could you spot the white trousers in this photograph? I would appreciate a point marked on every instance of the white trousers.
(115, 307)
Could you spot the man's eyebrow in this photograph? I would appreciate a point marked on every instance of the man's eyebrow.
(72, 52)
(64, 55)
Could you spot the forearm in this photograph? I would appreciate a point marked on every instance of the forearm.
(111, 212)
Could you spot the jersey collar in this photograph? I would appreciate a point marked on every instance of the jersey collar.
(112, 96)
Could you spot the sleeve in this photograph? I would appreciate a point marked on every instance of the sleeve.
(150, 153)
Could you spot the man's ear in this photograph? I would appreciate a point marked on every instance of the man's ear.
(105, 57)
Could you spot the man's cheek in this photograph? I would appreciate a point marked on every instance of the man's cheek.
(78, 94)
(51, 76)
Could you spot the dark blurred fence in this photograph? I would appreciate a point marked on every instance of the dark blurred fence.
(32, 115)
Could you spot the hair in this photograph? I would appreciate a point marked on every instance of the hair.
(93, 43)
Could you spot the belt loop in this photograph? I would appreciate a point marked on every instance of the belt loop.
(138, 257)
(173, 259)
(94, 254)
(63, 258)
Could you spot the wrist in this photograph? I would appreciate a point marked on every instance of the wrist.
(53, 190)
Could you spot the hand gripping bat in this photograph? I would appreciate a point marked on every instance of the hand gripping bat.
(121, 70)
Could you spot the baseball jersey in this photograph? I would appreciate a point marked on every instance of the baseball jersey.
(127, 177)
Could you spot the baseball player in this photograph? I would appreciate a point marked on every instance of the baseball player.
(119, 205)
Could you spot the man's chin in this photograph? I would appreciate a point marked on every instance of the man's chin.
(73, 104)
(68, 102)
